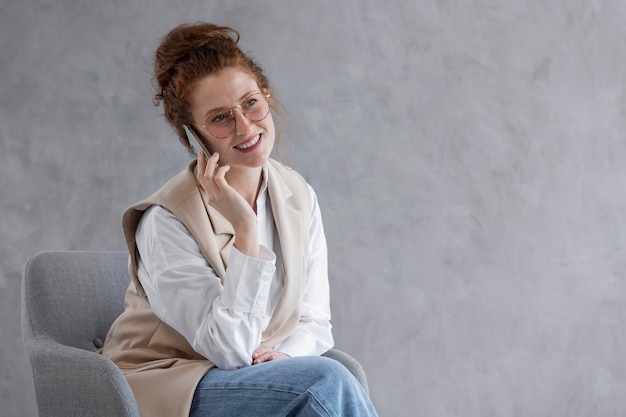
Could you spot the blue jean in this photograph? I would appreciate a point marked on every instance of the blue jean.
(304, 386)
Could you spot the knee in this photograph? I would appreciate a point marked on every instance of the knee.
(335, 387)
(326, 369)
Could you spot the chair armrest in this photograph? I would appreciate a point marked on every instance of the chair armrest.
(75, 382)
(352, 364)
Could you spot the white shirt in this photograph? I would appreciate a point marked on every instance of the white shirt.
(224, 323)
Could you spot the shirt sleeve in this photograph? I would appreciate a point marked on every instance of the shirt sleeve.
(224, 323)
(313, 335)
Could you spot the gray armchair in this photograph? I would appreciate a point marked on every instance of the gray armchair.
(69, 300)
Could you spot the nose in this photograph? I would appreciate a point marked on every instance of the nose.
(242, 123)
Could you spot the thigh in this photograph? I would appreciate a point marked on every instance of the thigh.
(290, 386)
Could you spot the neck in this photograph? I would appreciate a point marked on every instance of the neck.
(247, 182)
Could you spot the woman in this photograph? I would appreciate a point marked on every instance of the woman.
(228, 309)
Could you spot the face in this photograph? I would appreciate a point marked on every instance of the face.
(250, 143)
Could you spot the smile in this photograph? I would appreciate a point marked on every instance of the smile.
(249, 143)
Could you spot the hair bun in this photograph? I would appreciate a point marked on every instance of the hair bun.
(183, 42)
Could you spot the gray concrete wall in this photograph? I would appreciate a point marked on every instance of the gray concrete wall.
(468, 157)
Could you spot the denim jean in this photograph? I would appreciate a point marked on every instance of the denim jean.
(304, 386)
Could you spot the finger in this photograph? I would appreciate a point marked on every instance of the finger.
(206, 169)
(219, 176)
(260, 350)
(210, 167)
(274, 355)
(265, 357)
(212, 163)
(201, 164)
(259, 353)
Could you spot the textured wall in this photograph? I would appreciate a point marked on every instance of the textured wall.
(466, 155)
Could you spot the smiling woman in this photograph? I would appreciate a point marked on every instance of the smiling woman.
(228, 310)
(242, 138)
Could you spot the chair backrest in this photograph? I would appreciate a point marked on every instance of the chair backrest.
(69, 301)
(73, 297)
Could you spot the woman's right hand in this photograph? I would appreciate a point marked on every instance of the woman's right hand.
(229, 203)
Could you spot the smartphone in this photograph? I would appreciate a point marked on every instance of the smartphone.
(196, 142)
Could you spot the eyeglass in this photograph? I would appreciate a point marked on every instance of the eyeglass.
(222, 123)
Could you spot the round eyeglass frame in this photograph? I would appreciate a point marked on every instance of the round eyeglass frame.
(243, 112)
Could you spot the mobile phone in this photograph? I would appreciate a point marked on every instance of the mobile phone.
(196, 142)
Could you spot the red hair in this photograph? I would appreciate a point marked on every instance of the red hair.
(190, 52)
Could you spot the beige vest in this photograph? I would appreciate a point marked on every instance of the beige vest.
(158, 362)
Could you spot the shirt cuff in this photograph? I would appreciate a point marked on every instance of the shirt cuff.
(247, 281)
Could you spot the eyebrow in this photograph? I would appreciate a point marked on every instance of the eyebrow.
(223, 108)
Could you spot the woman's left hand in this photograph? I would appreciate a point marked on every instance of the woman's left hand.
(266, 354)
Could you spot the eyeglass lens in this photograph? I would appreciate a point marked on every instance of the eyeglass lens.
(221, 124)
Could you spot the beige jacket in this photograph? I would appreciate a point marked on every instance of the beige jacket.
(158, 362)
